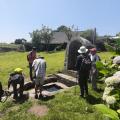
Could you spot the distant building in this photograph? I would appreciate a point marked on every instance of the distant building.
(114, 37)
(60, 38)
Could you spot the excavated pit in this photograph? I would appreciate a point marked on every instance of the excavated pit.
(53, 84)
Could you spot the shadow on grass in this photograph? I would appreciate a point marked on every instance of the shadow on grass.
(99, 90)
(93, 100)
(20, 100)
(46, 98)
(100, 81)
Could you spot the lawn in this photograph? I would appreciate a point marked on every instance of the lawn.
(11, 60)
(63, 106)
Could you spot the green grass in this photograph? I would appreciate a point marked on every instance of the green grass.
(11, 60)
(63, 106)
(5, 45)
(106, 55)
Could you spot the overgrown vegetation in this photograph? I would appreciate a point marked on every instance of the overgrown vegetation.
(111, 95)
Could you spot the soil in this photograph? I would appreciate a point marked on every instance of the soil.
(39, 110)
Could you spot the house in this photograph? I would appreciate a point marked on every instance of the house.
(61, 39)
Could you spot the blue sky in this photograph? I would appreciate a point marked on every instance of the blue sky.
(19, 17)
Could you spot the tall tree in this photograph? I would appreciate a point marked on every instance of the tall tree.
(20, 41)
(36, 38)
(44, 35)
(67, 30)
(88, 34)
(62, 28)
(118, 34)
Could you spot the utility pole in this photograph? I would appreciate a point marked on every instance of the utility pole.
(94, 36)
(77, 31)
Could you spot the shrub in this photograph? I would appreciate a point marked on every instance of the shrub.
(109, 48)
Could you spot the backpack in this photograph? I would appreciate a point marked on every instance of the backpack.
(86, 64)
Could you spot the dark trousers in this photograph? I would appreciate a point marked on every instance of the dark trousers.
(1, 91)
(83, 83)
(30, 72)
(20, 90)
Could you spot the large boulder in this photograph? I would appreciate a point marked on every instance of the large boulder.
(116, 60)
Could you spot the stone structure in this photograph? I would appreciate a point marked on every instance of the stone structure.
(71, 51)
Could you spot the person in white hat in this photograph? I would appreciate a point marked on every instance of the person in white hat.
(83, 66)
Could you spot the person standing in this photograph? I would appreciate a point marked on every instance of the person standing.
(94, 72)
(83, 66)
(31, 57)
(39, 66)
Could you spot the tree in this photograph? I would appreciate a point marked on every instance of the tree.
(118, 34)
(36, 38)
(88, 34)
(117, 46)
(20, 41)
(62, 28)
(42, 36)
(46, 36)
(67, 30)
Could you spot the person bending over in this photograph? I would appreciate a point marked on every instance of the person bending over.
(39, 66)
(16, 78)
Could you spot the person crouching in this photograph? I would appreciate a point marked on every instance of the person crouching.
(39, 66)
(16, 78)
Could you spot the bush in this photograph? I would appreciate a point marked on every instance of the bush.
(100, 45)
(109, 48)
(28, 46)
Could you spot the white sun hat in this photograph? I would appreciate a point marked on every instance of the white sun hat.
(82, 49)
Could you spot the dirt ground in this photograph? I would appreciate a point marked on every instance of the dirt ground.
(38, 110)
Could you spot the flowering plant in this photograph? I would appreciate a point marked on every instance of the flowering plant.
(106, 68)
(111, 93)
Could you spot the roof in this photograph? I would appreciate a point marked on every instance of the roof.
(115, 37)
(60, 37)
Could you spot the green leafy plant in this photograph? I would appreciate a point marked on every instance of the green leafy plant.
(109, 113)
(117, 45)
(106, 68)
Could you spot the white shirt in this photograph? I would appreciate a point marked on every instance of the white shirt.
(39, 66)
(94, 58)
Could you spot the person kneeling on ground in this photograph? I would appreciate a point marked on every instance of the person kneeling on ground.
(39, 66)
(16, 78)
